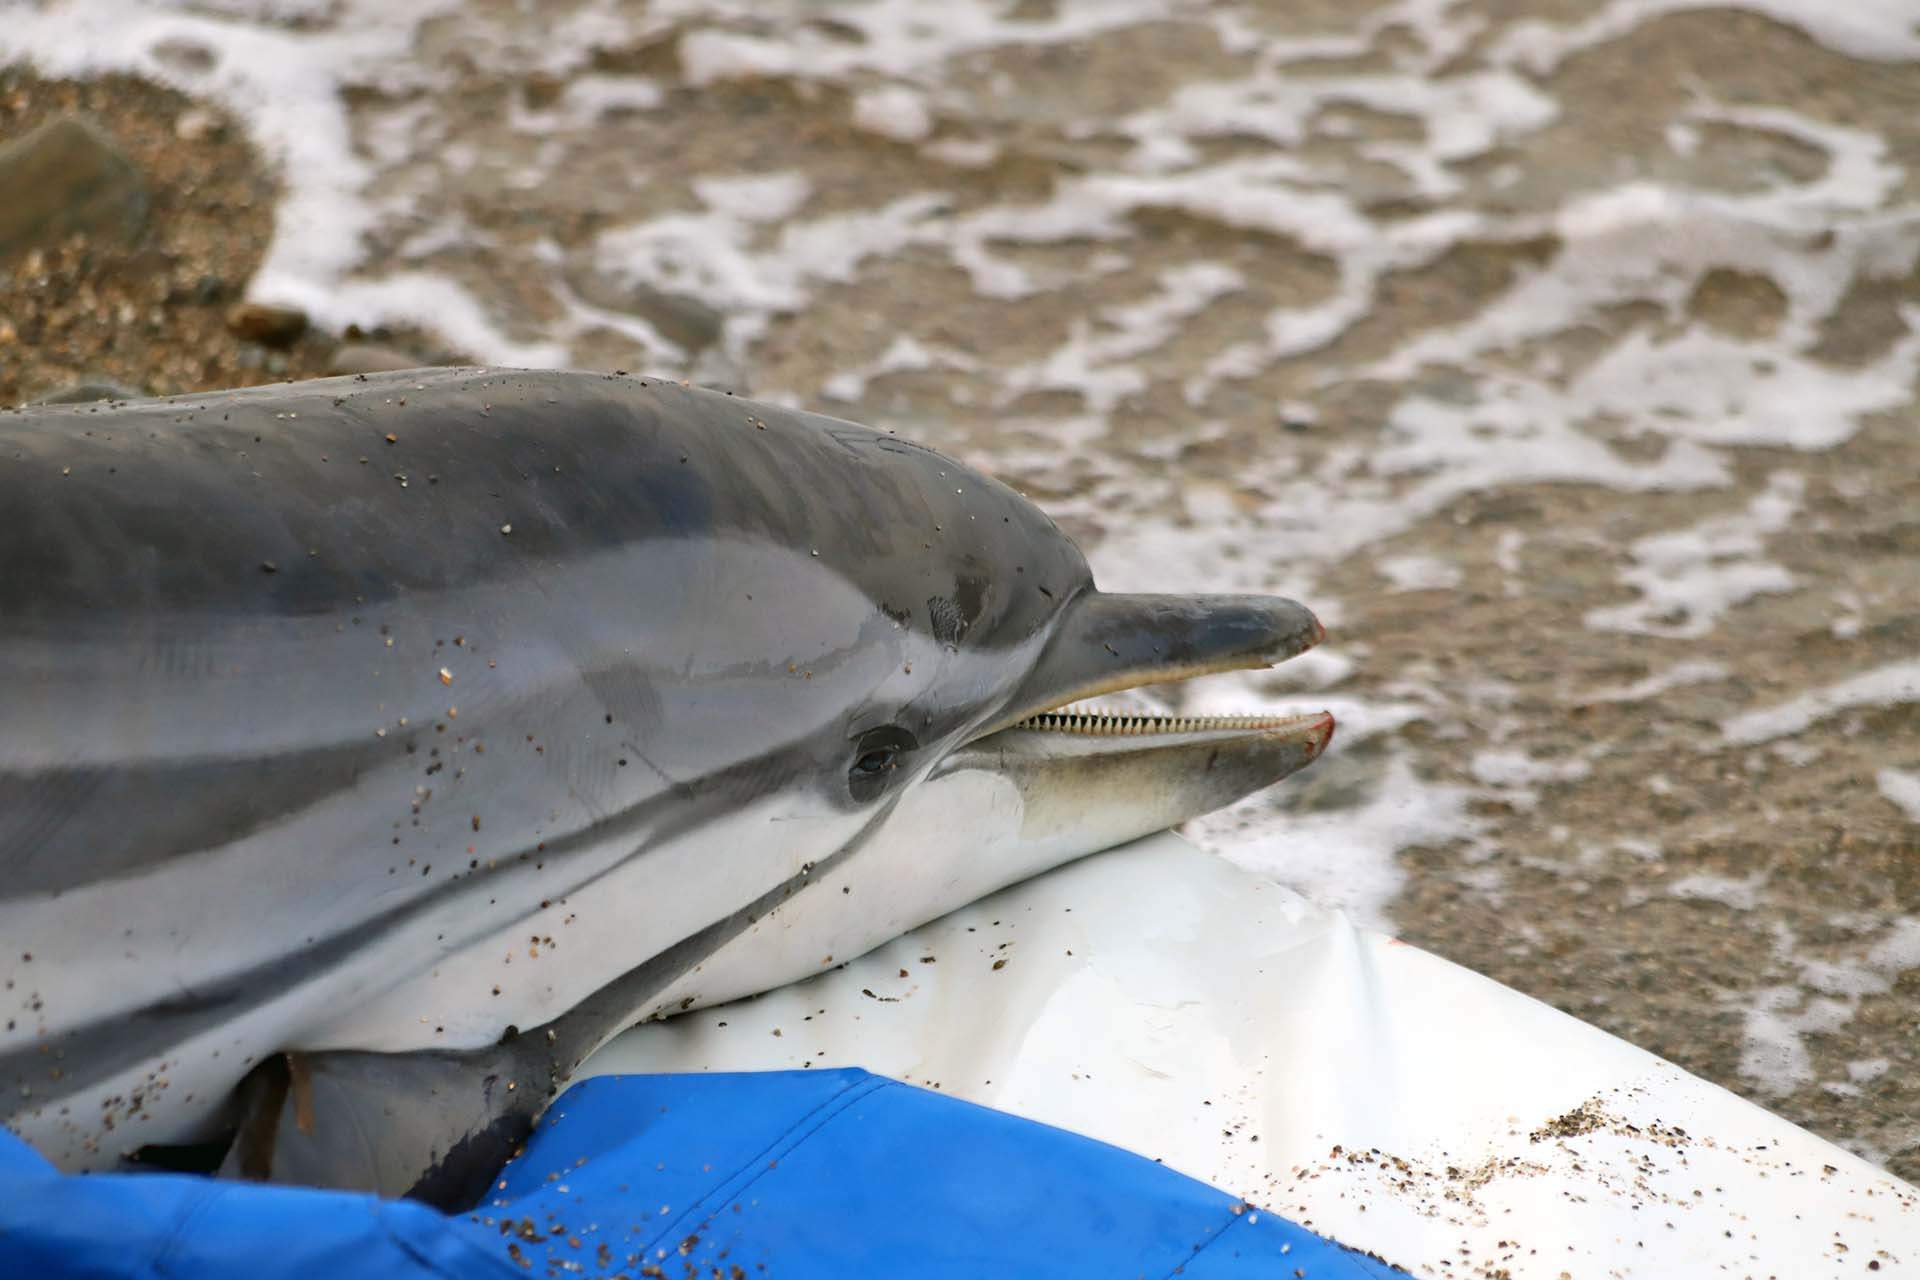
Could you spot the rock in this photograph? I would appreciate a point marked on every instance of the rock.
(87, 393)
(688, 323)
(272, 326)
(63, 177)
(368, 357)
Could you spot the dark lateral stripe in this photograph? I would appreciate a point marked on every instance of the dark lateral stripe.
(115, 1043)
(61, 829)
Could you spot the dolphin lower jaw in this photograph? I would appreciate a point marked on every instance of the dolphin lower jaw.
(1089, 780)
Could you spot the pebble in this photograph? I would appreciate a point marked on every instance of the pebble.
(688, 323)
(270, 325)
(63, 177)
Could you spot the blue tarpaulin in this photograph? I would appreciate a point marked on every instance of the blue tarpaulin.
(789, 1175)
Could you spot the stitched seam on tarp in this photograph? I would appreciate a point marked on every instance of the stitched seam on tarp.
(1232, 1221)
(761, 1165)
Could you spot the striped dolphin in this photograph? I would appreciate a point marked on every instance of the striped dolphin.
(373, 749)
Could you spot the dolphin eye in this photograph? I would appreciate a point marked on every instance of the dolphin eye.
(877, 757)
(878, 760)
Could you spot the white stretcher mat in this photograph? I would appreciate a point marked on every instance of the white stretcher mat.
(1160, 999)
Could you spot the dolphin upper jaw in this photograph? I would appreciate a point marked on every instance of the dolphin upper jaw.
(1106, 643)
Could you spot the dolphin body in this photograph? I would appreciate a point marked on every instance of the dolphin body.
(373, 749)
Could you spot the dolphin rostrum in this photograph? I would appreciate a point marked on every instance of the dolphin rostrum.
(374, 749)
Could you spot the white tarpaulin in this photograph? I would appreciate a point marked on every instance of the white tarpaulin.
(1160, 999)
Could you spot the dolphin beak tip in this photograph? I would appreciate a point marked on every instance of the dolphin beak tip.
(1291, 628)
(1320, 735)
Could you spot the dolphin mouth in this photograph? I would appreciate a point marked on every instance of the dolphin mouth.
(1122, 773)
(1112, 643)
(1246, 753)
(1097, 722)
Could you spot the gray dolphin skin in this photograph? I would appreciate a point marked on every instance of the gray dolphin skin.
(374, 749)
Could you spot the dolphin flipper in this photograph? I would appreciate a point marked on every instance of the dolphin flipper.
(437, 1125)
(432, 1125)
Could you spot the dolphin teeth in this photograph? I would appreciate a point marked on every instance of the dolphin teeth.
(1103, 724)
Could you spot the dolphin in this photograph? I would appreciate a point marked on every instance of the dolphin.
(374, 749)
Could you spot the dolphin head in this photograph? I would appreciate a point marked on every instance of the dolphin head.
(932, 622)
(820, 619)
(935, 638)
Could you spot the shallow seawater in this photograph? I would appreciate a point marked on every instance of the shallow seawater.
(1562, 355)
